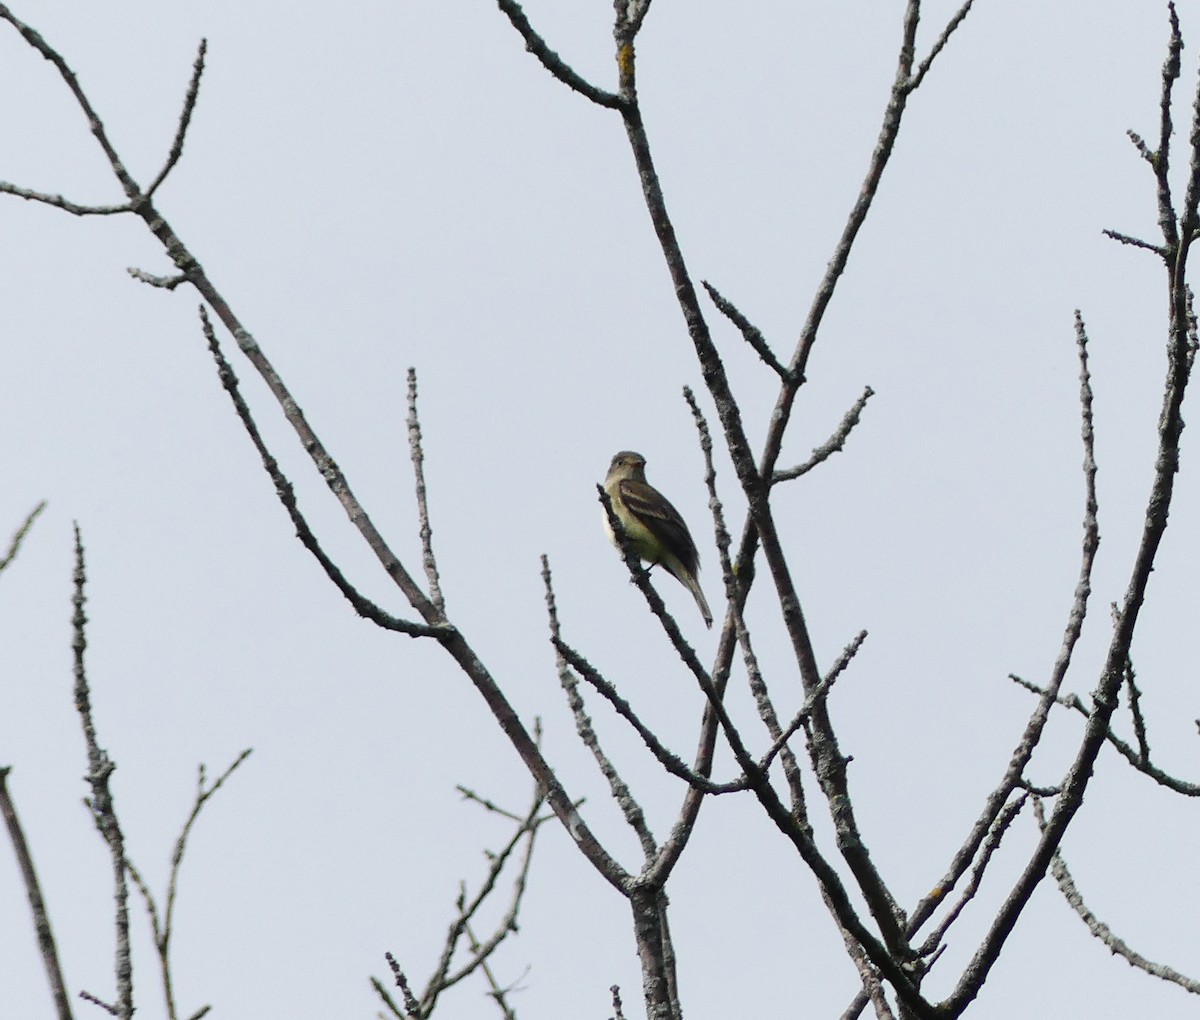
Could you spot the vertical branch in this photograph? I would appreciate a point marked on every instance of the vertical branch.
(418, 462)
(100, 770)
(647, 928)
(163, 934)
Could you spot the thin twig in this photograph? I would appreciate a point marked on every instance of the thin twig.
(939, 45)
(1160, 161)
(1015, 770)
(551, 61)
(14, 545)
(996, 834)
(615, 991)
(287, 496)
(128, 184)
(566, 659)
(486, 804)
(752, 334)
(1135, 710)
(162, 282)
(834, 444)
(418, 462)
(1136, 242)
(185, 119)
(1114, 944)
(58, 202)
(498, 994)
(1127, 751)
(412, 1008)
(443, 978)
(163, 928)
(818, 694)
(668, 759)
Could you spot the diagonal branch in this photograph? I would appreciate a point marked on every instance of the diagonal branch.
(1015, 770)
(1128, 752)
(185, 120)
(834, 444)
(940, 44)
(163, 926)
(751, 333)
(287, 496)
(551, 61)
(15, 543)
(37, 904)
(1115, 945)
(566, 659)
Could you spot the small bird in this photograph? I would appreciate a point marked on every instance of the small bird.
(652, 525)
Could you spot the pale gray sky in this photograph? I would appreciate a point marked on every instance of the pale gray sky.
(401, 184)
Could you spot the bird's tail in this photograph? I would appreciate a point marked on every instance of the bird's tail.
(693, 585)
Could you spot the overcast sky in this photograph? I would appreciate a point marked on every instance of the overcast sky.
(392, 185)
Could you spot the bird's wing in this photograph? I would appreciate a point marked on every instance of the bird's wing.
(653, 509)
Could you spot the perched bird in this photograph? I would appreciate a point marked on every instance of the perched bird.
(653, 526)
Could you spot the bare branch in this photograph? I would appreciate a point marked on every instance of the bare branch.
(990, 845)
(551, 61)
(499, 994)
(100, 769)
(1187, 218)
(1105, 697)
(287, 496)
(14, 544)
(37, 905)
(872, 989)
(750, 332)
(754, 676)
(834, 444)
(635, 817)
(108, 1007)
(412, 1008)
(442, 978)
(669, 761)
(163, 282)
(58, 202)
(1115, 945)
(185, 119)
(615, 990)
(418, 463)
(163, 928)
(1014, 772)
(634, 14)
(819, 693)
(486, 804)
(1136, 242)
(1130, 754)
(128, 184)
(940, 44)
(1135, 710)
